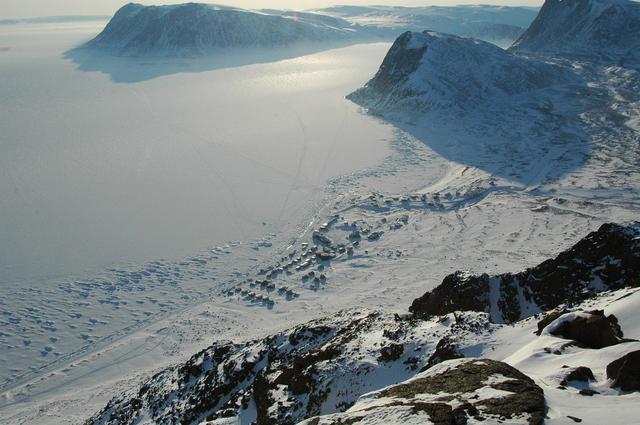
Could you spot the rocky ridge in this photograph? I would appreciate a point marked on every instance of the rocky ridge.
(319, 371)
(607, 259)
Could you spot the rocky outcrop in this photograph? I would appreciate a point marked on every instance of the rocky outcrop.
(625, 372)
(451, 393)
(579, 374)
(322, 366)
(604, 260)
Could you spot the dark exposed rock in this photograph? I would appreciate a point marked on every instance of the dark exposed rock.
(588, 393)
(547, 319)
(607, 259)
(445, 350)
(457, 292)
(574, 419)
(594, 331)
(581, 374)
(391, 352)
(625, 372)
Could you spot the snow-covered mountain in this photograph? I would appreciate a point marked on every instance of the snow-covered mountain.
(429, 70)
(319, 372)
(194, 29)
(498, 24)
(593, 29)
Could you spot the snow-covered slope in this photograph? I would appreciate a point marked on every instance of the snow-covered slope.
(594, 29)
(325, 366)
(428, 70)
(194, 29)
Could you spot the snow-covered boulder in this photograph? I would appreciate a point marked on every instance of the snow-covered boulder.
(429, 70)
(450, 393)
(592, 29)
(194, 29)
(589, 329)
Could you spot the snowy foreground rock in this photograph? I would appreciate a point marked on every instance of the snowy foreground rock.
(371, 367)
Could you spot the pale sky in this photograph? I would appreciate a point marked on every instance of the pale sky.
(12, 9)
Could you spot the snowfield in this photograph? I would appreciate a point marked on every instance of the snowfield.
(342, 228)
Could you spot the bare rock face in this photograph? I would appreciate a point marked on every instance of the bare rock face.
(445, 350)
(604, 260)
(451, 393)
(593, 331)
(580, 374)
(625, 372)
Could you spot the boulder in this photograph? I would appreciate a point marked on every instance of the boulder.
(593, 330)
(450, 393)
(581, 374)
(625, 372)
(391, 352)
(445, 350)
(547, 319)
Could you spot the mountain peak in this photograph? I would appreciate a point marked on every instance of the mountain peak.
(594, 29)
(193, 29)
(430, 70)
